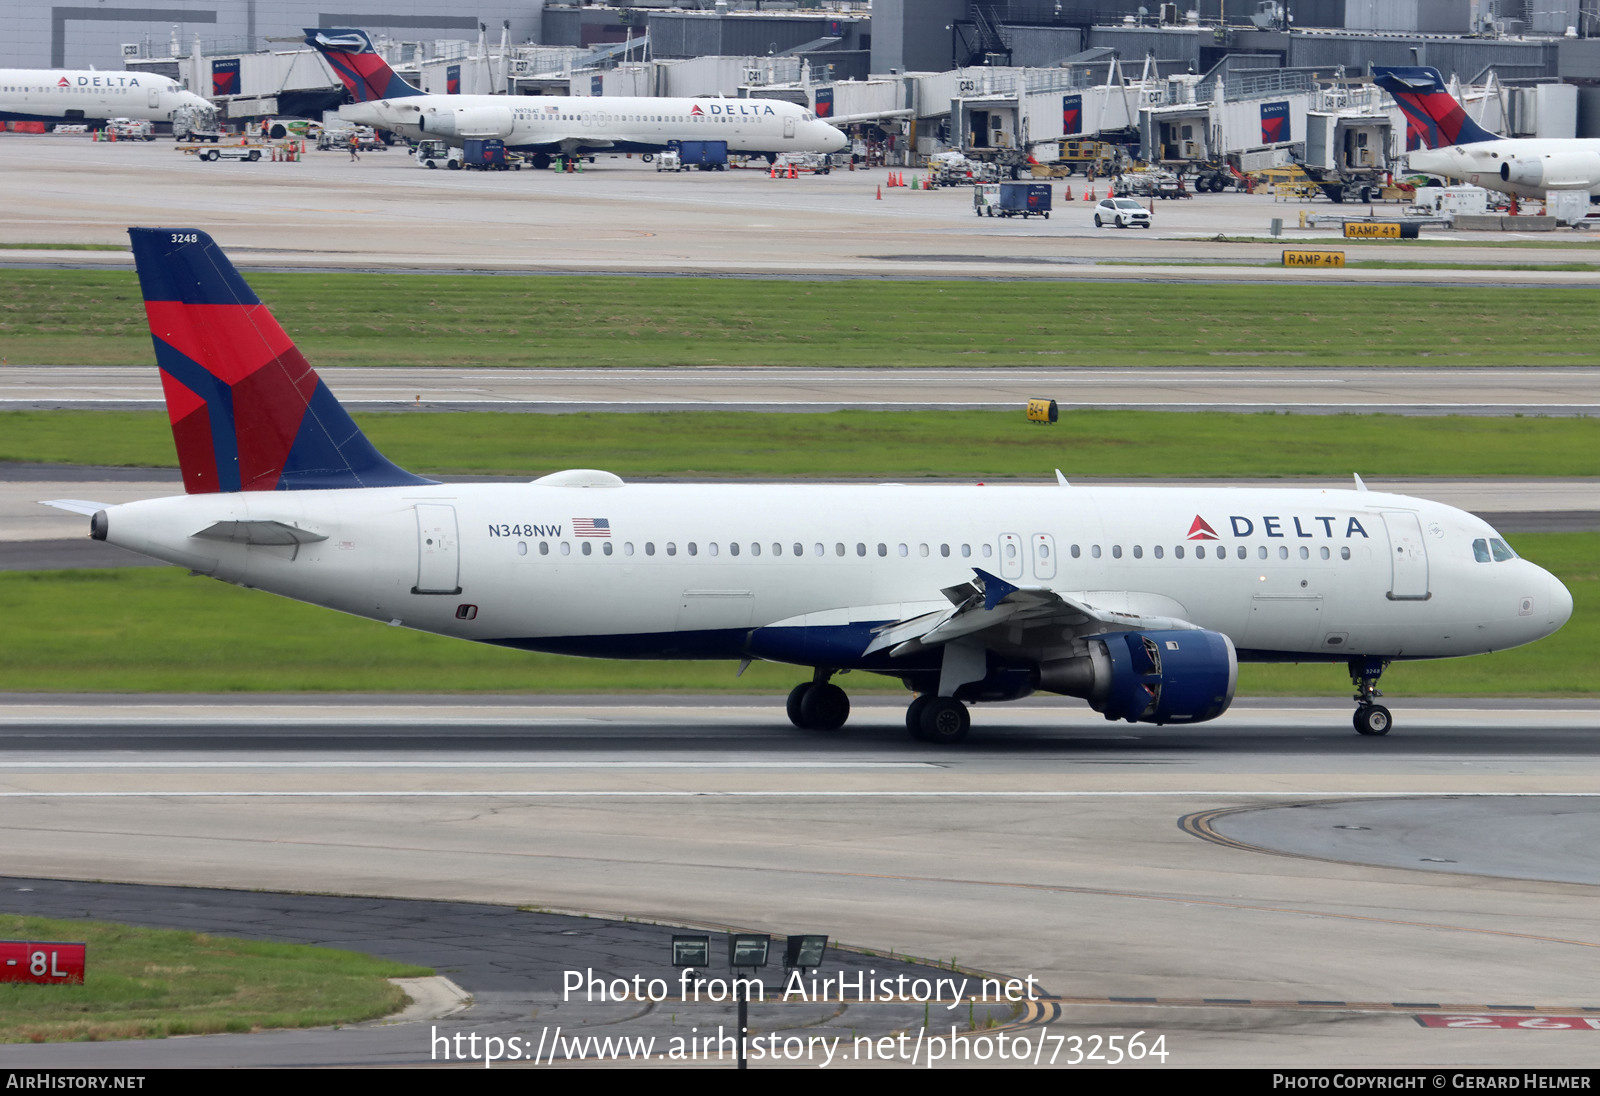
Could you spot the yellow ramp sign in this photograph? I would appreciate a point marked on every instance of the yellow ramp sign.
(1313, 258)
(1371, 230)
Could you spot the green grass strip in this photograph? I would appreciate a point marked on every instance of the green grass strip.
(154, 983)
(890, 445)
(95, 317)
(138, 630)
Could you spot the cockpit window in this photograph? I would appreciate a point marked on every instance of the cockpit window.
(1502, 551)
(1480, 550)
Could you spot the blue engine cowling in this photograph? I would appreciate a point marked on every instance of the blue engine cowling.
(1151, 677)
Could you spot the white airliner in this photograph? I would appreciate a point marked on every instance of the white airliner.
(551, 125)
(91, 97)
(1456, 147)
(1140, 600)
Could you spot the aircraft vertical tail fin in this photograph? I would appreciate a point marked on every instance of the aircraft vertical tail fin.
(248, 413)
(365, 73)
(1433, 117)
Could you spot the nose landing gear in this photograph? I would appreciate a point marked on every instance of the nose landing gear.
(1370, 718)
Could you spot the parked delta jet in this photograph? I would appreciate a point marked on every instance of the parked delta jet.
(1141, 600)
(551, 125)
(1456, 147)
(91, 98)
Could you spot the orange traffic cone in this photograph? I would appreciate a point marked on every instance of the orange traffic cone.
(1066, 193)
(772, 171)
(880, 194)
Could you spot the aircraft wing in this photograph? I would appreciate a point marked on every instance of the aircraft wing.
(1004, 616)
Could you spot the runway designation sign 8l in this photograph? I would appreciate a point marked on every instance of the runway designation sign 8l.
(1374, 230)
(1313, 258)
(43, 962)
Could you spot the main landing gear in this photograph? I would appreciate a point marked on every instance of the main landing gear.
(818, 704)
(941, 720)
(1370, 718)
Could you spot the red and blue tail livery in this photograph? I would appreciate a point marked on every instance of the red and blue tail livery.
(1433, 117)
(366, 75)
(248, 413)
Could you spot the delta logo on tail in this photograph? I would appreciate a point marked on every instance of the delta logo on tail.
(247, 411)
(364, 72)
(1433, 117)
(1200, 529)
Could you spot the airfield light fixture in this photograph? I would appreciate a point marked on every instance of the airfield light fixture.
(691, 951)
(748, 949)
(804, 952)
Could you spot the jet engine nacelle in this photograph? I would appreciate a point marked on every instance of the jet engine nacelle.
(474, 122)
(1151, 677)
(1561, 171)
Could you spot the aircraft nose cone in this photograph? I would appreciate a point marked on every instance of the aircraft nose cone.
(1560, 603)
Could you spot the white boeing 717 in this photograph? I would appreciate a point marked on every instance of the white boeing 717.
(89, 97)
(1456, 147)
(560, 125)
(1141, 600)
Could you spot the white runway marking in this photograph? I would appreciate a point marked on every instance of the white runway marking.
(601, 794)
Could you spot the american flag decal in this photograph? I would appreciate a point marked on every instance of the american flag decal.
(591, 527)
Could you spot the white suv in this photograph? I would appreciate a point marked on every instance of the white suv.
(1122, 212)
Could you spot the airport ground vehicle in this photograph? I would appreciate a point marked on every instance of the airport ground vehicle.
(703, 155)
(488, 155)
(1122, 213)
(224, 152)
(131, 129)
(1011, 200)
(669, 161)
(189, 124)
(433, 154)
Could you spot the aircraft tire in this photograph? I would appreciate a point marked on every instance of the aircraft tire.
(796, 695)
(945, 721)
(824, 707)
(914, 716)
(1372, 719)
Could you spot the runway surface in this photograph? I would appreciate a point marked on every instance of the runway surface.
(1488, 391)
(1054, 845)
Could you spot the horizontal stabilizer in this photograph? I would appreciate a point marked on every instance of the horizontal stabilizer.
(259, 532)
(77, 506)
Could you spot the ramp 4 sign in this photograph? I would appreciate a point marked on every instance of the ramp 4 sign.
(42, 962)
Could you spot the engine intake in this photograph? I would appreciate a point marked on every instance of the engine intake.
(1151, 677)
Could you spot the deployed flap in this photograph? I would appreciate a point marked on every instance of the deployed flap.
(992, 604)
(258, 532)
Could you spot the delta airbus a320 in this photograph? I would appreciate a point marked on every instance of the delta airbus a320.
(1141, 600)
